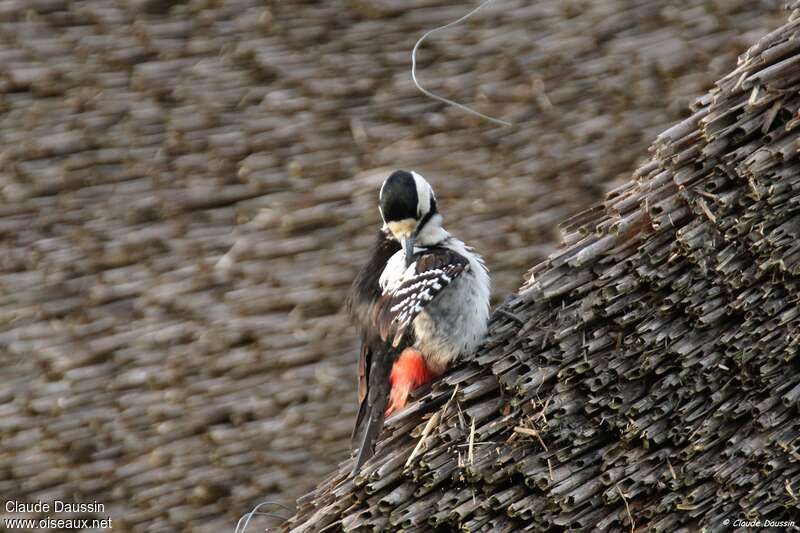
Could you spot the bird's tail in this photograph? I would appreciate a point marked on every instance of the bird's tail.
(369, 421)
(372, 422)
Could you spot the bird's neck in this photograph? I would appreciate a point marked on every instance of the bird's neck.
(433, 233)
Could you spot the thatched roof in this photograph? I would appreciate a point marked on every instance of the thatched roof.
(141, 139)
(647, 374)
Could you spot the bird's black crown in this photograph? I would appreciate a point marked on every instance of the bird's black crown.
(399, 199)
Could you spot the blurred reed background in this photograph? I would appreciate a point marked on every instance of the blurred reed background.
(187, 189)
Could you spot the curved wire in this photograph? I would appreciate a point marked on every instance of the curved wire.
(442, 98)
(241, 528)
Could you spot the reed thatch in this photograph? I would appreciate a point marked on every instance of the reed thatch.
(646, 376)
(140, 140)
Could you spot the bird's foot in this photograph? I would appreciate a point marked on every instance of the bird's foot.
(409, 372)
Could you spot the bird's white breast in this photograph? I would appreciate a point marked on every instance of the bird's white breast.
(454, 323)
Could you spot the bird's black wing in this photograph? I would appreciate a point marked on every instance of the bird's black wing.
(366, 290)
(374, 356)
(433, 270)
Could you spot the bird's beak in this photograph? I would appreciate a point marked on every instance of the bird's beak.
(405, 231)
(408, 248)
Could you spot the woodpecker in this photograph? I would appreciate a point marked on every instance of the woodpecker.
(420, 302)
